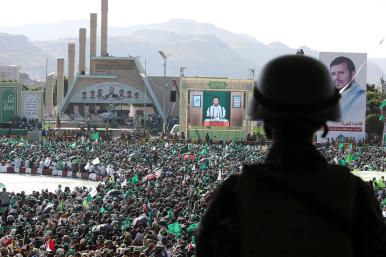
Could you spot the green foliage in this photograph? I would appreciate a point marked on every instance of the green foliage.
(55, 92)
(373, 124)
(374, 99)
(66, 86)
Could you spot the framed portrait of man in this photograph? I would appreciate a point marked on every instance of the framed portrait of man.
(196, 101)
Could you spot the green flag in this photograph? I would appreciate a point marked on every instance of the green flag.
(384, 203)
(342, 162)
(204, 164)
(127, 194)
(102, 210)
(192, 227)
(73, 145)
(341, 146)
(170, 214)
(135, 179)
(174, 228)
(126, 224)
(383, 105)
(85, 203)
(61, 206)
(204, 151)
(381, 118)
(348, 157)
(87, 200)
(94, 136)
(381, 183)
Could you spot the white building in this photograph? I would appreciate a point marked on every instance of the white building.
(9, 72)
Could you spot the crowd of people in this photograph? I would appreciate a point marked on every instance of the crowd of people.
(150, 202)
(24, 123)
(117, 119)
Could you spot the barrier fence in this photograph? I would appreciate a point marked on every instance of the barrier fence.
(51, 172)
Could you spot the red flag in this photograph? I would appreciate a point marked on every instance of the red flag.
(50, 246)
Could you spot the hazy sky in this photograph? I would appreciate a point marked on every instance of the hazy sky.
(325, 25)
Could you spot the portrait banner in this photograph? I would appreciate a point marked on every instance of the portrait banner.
(110, 93)
(348, 73)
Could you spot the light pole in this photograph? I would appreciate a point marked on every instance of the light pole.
(164, 104)
(164, 57)
(251, 74)
(182, 71)
(144, 77)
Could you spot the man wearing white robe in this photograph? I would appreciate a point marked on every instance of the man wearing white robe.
(216, 111)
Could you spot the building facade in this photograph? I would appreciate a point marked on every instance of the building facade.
(9, 72)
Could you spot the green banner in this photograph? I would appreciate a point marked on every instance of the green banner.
(217, 84)
(8, 104)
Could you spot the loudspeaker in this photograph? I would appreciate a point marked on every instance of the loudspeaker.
(173, 96)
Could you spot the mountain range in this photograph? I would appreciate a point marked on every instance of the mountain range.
(203, 48)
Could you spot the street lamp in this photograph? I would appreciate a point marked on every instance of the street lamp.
(251, 74)
(144, 76)
(164, 104)
(164, 57)
(182, 71)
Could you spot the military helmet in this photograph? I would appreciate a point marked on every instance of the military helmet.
(295, 87)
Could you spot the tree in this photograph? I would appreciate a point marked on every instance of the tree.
(65, 86)
(374, 125)
(54, 93)
(374, 99)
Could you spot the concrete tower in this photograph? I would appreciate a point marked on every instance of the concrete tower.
(82, 50)
(104, 10)
(49, 94)
(71, 63)
(60, 81)
(93, 36)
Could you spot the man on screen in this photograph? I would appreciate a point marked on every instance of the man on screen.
(100, 93)
(121, 94)
(216, 111)
(111, 94)
(353, 101)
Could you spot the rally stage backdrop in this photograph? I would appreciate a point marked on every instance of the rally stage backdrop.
(347, 69)
(215, 106)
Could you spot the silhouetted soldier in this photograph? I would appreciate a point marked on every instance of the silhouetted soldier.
(294, 204)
